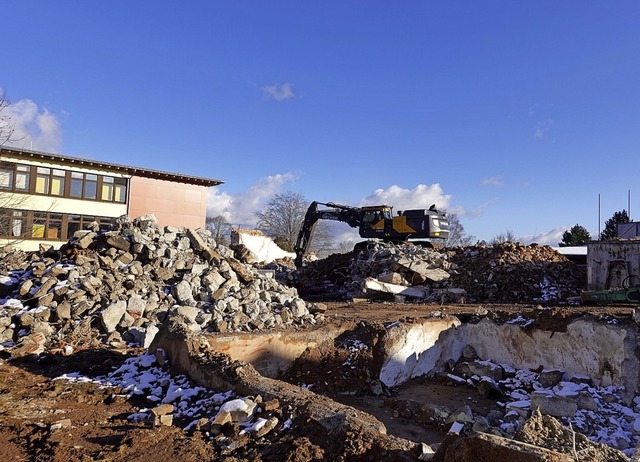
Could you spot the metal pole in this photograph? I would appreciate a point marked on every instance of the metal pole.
(629, 204)
(598, 216)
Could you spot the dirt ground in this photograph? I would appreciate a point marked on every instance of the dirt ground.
(42, 419)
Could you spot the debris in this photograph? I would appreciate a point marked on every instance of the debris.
(501, 273)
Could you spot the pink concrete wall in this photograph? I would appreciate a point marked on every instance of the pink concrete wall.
(174, 204)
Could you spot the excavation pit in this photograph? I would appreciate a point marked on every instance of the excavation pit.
(419, 375)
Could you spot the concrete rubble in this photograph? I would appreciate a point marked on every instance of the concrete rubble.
(502, 273)
(117, 287)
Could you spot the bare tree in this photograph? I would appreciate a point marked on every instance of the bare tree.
(501, 238)
(220, 229)
(7, 126)
(457, 236)
(282, 218)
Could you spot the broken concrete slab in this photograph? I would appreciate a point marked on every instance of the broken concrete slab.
(395, 289)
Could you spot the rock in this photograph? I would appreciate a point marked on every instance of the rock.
(488, 388)
(469, 353)
(549, 378)
(60, 424)
(462, 415)
(83, 239)
(118, 241)
(236, 410)
(184, 293)
(30, 345)
(266, 426)
(557, 406)
(110, 317)
(487, 369)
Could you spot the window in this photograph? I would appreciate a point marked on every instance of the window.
(78, 222)
(46, 225)
(18, 226)
(73, 225)
(76, 184)
(107, 188)
(120, 190)
(90, 186)
(6, 175)
(57, 182)
(14, 176)
(23, 174)
(113, 189)
(24, 224)
(62, 183)
(43, 179)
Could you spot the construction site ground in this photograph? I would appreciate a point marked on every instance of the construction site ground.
(42, 419)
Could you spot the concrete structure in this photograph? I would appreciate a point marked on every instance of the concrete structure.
(263, 247)
(613, 264)
(45, 198)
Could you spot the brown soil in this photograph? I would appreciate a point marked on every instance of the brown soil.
(94, 424)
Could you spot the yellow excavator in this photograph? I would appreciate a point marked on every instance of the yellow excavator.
(374, 221)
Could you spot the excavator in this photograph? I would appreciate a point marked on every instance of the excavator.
(374, 221)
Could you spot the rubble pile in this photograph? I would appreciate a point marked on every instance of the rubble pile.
(514, 272)
(531, 400)
(501, 273)
(118, 286)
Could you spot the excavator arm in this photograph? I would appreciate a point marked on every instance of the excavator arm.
(350, 215)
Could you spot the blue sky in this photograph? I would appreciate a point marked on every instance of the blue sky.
(514, 115)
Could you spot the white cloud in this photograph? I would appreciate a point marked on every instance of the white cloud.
(551, 238)
(493, 181)
(33, 127)
(240, 209)
(279, 92)
(422, 196)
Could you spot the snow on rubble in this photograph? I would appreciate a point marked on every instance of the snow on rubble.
(598, 412)
(192, 407)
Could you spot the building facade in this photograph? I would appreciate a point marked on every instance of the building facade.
(45, 198)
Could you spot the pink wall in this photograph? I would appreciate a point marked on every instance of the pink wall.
(174, 204)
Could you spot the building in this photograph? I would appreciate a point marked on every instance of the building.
(45, 198)
(613, 264)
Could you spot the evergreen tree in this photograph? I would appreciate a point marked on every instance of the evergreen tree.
(577, 235)
(611, 225)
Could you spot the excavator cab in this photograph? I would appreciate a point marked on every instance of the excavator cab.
(375, 221)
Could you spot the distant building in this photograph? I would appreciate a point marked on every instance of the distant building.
(45, 198)
(628, 230)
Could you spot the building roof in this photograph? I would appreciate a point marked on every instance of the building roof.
(571, 250)
(134, 171)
